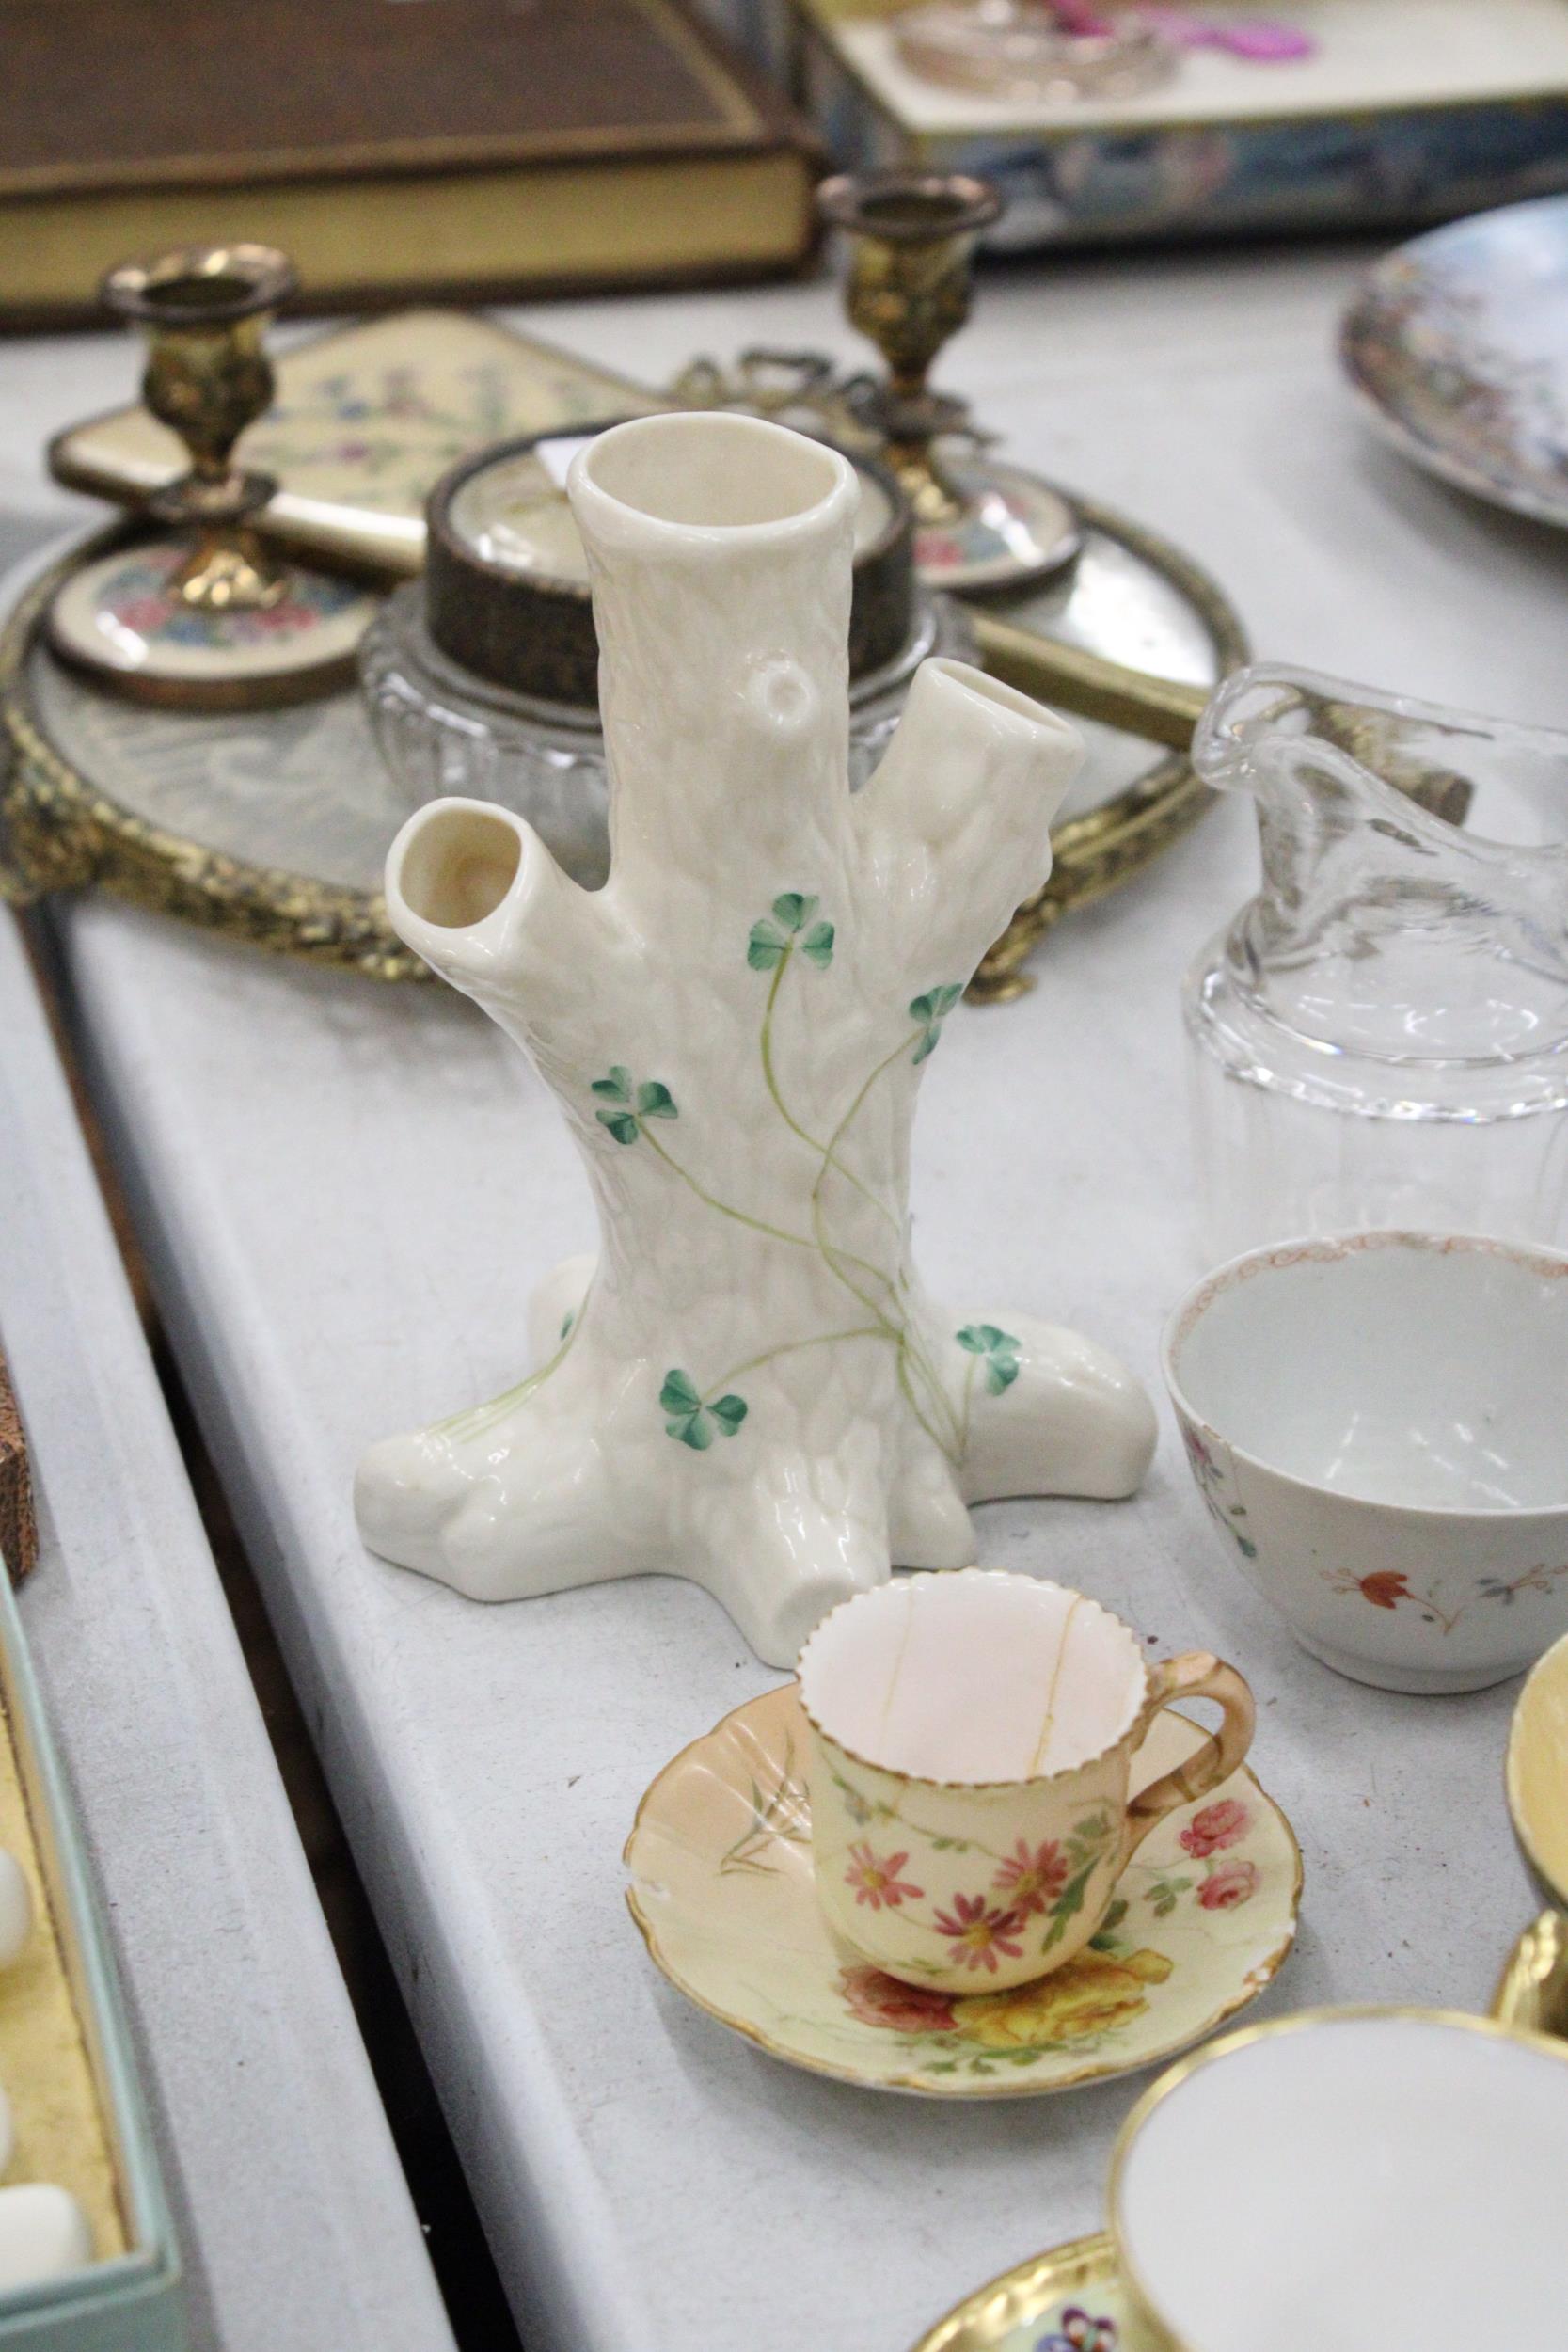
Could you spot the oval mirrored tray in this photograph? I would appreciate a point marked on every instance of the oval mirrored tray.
(272, 825)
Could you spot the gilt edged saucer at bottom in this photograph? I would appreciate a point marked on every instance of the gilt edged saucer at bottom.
(721, 1888)
(1067, 2301)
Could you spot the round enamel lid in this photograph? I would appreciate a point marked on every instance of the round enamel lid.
(506, 577)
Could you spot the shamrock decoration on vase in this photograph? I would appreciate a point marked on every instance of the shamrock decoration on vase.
(750, 1386)
(772, 939)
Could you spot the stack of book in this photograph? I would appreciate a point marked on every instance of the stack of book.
(465, 148)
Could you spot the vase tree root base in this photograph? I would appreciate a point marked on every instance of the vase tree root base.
(566, 1480)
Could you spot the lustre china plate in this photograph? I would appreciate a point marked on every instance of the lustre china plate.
(721, 1888)
(1068, 2300)
(1458, 343)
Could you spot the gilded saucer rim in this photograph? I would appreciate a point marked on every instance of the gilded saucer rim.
(1027, 2291)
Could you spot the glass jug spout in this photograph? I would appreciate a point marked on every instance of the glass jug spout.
(1405, 960)
(1318, 751)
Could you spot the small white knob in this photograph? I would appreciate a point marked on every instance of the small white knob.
(782, 697)
(43, 2232)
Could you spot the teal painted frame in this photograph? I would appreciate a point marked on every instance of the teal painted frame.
(133, 2302)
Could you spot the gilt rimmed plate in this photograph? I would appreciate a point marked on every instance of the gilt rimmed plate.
(1067, 2301)
(721, 1888)
(1458, 343)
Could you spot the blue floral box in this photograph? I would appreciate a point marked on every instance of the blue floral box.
(1404, 111)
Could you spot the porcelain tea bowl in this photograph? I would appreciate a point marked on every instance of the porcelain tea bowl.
(1354, 2179)
(970, 1762)
(1375, 1424)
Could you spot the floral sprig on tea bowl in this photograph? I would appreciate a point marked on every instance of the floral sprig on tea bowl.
(1386, 1588)
(1215, 1484)
(998, 1349)
(629, 1104)
(791, 927)
(693, 1420)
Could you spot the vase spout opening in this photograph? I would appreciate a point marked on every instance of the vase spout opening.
(454, 864)
(704, 472)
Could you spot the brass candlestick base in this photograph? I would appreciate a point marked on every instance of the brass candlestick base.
(979, 525)
(208, 618)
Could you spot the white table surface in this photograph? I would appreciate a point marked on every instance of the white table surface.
(291, 2210)
(346, 1195)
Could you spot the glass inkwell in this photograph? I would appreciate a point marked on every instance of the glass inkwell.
(482, 679)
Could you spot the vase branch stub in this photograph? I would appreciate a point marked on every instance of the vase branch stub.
(751, 1389)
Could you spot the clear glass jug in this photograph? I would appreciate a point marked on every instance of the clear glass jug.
(1381, 1036)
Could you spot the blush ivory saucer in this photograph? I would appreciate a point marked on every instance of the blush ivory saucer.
(1067, 2301)
(721, 1888)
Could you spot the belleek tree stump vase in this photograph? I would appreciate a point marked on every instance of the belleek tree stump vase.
(751, 1389)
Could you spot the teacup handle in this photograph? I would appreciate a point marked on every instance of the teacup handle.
(1196, 1674)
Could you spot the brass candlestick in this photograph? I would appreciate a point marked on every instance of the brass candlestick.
(205, 311)
(979, 524)
(909, 292)
(203, 617)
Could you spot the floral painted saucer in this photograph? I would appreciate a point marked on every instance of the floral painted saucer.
(721, 1888)
(1067, 2301)
(1458, 345)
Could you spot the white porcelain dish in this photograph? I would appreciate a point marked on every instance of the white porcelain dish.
(1355, 2179)
(1375, 1424)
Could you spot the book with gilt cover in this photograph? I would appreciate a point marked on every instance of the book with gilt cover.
(395, 148)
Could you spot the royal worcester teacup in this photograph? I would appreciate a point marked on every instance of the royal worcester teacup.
(972, 1739)
(1375, 1423)
(1354, 2180)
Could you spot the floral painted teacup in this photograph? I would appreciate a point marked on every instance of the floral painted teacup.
(973, 1737)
